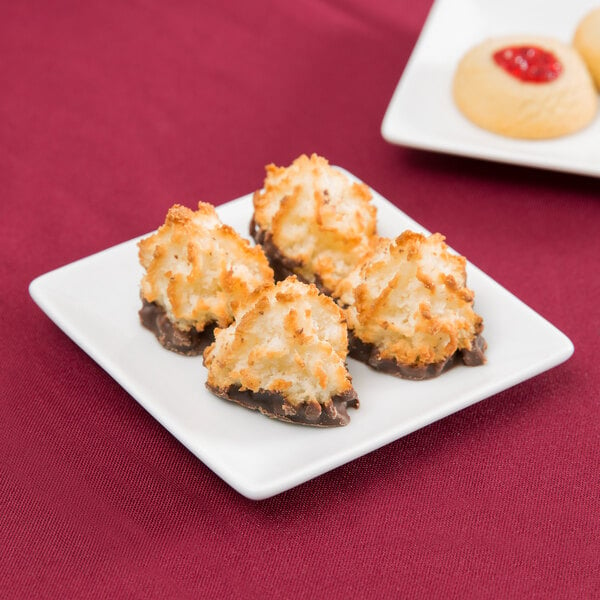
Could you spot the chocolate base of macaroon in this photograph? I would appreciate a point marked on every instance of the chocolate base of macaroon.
(274, 405)
(368, 354)
(188, 343)
(282, 265)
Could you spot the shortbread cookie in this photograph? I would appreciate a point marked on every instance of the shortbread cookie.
(408, 308)
(587, 42)
(284, 355)
(197, 272)
(313, 221)
(525, 87)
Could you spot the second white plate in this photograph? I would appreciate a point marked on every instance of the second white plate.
(96, 300)
(422, 114)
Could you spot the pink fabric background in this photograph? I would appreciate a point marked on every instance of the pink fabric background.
(109, 113)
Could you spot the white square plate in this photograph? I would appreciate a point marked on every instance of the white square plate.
(96, 300)
(422, 113)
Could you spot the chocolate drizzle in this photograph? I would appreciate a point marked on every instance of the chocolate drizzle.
(188, 343)
(368, 353)
(274, 405)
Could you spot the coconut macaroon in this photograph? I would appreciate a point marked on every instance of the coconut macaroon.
(197, 273)
(408, 308)
(313, 221)
(284, 355)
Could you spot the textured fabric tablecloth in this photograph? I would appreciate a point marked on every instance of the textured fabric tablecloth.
(111, 112)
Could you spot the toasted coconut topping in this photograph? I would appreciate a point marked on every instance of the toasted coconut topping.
(316, 217)
(198, 269)
(289, 339)
(409, 299)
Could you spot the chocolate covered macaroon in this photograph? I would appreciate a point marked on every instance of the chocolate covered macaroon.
(408, 309)
(284, 355)
(197, 273)
(313, 221)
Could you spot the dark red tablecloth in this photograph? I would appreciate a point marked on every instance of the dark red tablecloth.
(109, 113)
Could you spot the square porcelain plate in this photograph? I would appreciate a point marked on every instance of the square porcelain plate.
(422, 113)
(95, 301)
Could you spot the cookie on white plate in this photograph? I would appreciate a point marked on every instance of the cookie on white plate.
(196, 273)
(284, 355)
(525, 87)
(313, 221)
(409, 310)
(587, 42)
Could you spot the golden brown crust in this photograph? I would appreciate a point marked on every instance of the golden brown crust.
(198, 269)
(317, 220)
(289, 340)
(408, 301)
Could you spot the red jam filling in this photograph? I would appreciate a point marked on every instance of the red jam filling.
(529, 63)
